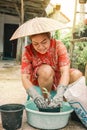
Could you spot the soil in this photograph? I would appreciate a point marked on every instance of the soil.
(12, 91)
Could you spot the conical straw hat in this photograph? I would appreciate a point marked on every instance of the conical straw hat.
(35, 26)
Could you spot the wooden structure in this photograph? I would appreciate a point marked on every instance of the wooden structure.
(24, 8)
(73, 41)
(58, 15)
(81, 14)
(83, 39)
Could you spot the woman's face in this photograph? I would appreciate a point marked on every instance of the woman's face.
(41, 43)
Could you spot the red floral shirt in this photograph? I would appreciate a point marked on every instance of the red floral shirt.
(56, 57)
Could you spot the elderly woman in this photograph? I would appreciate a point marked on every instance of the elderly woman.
(46, 64)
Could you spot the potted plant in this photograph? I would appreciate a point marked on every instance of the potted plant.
(80, 56)
(80, 31)
(77, 31)
(83, 33)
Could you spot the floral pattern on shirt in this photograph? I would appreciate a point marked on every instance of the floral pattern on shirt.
(56, 57)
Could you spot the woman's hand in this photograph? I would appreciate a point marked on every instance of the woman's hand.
(58, 98)
(37, 98)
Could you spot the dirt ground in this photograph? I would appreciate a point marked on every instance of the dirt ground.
(12, 91)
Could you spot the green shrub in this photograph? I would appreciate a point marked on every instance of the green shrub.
(79, 59)
(80, 55)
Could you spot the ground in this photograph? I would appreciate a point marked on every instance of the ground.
(12, 91)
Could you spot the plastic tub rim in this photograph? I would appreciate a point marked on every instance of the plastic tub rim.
(49, 113)
(12, 110)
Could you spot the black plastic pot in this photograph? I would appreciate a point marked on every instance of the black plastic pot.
(49, 109)
(11, 116)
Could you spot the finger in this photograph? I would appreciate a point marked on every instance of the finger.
(41, 104)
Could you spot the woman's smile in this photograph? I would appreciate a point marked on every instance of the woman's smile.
(41, 43)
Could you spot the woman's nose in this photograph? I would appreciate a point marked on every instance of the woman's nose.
(40, 46)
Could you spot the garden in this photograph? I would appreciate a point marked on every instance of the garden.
(79, 58)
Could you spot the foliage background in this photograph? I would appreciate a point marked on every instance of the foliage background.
(79, 59)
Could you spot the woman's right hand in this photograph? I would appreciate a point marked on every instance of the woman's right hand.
(37, 98)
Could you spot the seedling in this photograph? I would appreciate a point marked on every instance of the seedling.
(45, 91)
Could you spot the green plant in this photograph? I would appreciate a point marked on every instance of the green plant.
(56, 35)
(66, 40)
(80, 56)
(45, 91)
(80, 30)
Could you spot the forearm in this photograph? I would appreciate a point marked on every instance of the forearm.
(37, 98)
(65, 76)
(26, 81)
(64, 80)
(58, 98)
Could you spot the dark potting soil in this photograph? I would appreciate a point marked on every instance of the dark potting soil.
(49, 109)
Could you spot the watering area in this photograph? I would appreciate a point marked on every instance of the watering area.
(13, 94)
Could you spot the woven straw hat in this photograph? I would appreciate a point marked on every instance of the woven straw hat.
(37, 25)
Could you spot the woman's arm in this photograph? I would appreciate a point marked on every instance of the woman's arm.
(37, 98)
(65, 76)
(26, 81)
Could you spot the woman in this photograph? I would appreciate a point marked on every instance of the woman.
(46, 64)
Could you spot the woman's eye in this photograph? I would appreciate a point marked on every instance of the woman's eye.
(35, 44)
(44, 42)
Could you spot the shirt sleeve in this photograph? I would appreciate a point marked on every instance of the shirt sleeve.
(63, 55)
(26, 64)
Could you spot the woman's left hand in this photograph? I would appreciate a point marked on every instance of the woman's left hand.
(58, 98)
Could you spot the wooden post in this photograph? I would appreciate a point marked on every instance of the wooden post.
(74, 21)
(73, 29)
(22, 11)
(20, 41)
(86, 73)
(71, 52)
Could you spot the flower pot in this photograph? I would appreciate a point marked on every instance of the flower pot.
(82, 1)
(85, 21)
(11, 116)
(84, 33)
(76, 35)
